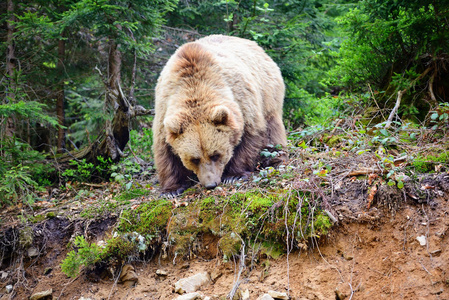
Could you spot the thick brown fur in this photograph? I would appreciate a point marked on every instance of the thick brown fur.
(218, 103)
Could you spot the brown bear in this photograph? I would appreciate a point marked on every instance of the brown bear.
(218, 104)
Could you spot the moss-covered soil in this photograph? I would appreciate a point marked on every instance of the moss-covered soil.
(344, 205)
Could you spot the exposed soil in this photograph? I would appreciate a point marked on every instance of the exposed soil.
(369, 254)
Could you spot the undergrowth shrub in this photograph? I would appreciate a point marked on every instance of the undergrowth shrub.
(16, 185)
(86, 255)
(116, 249)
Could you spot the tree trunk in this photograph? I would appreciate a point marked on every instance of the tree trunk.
(112, 142)
(60, 98)
(10, 67)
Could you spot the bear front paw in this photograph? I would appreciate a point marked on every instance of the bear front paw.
(172, 194)
(234, 179)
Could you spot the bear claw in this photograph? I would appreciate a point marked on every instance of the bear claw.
(234, 179)
(172, 194)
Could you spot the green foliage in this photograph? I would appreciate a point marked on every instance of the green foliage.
(82, 171)
(31, 110)
(86, 256)
(439, 117)
(302, 107)
(132, 24)
(17, 185)
(85, 114)
(119, 247)
(141, 142)
(389, 36)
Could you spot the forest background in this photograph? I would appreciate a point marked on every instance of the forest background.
(78, 77)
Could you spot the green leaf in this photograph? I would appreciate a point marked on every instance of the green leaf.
(384, 132)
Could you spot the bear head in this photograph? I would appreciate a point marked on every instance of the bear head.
(204, 145)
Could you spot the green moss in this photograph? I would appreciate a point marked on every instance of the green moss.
(251, 216)
(257, 202)
(271, 249)
(26, 236)
(132, 194)
(37, 218)
(148, 219)
(426, 163)
(322, 224)
(118, 247)
(51, 215)
(100, 208)
(230, 244)
(335, 140)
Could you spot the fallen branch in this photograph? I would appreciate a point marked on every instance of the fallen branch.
(432, 95)
(365, 171)
(395, 109)
(374, 98)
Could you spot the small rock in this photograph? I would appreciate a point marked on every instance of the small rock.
(343, 291)
(422, 240)
(436, 252)
(245, 295)
(32, 252)
(42, 295)
(185, 266)
(161, 272)
(9, 288)
(3, 275)
(82, 298)
(128, 276)
(190, 296)
(215, 274)
(348, 256)
(265, 297)
(192, 283)
(278, 295)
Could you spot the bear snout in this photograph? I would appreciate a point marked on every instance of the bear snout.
(211, 186)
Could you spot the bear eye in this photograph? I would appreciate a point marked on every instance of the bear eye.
(195, 161)
(215, 157)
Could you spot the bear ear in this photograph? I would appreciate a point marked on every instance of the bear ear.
(173, 127)
(220, 115)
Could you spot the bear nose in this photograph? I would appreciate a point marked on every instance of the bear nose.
(211, 186)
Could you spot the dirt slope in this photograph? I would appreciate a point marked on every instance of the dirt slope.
(368, 254)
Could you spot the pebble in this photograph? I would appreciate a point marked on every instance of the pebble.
(436, 252)
(215, 274)
(9, 288)
(32, 252)
(343, 291)
(161, 273)
(128, 276)
(3, 275)
(42, 295)
(245, 295)
(191, 284)
(278, 295)
(422, 240)
(265, 297)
